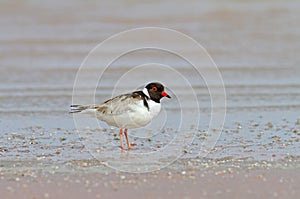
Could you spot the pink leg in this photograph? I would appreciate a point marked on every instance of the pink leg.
(127, 140)
(121, 139)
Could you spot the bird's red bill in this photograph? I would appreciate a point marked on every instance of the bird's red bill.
(165, 94)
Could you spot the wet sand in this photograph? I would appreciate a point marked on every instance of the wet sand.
(186, 178)
(188, 183)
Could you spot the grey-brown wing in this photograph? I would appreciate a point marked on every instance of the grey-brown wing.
(119, 104)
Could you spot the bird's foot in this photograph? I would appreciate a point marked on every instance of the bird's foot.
(133, 144)
(130, 147)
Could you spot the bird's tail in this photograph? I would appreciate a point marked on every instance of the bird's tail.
(83, 109)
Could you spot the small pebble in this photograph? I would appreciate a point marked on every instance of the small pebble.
(85, 164)
(269, 125)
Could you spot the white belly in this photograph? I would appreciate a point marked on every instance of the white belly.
(138, 116)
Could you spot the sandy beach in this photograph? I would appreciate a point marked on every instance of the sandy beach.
(45, 152)
(255, 181)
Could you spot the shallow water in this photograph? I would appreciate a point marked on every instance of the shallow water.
(254, 44)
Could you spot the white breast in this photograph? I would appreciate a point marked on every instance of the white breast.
(154, 108)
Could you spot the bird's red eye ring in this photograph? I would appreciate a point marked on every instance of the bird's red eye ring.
(154, 88)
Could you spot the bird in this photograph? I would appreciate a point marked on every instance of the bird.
(128, 111)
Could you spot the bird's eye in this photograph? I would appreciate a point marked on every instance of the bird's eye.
(154, 89)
